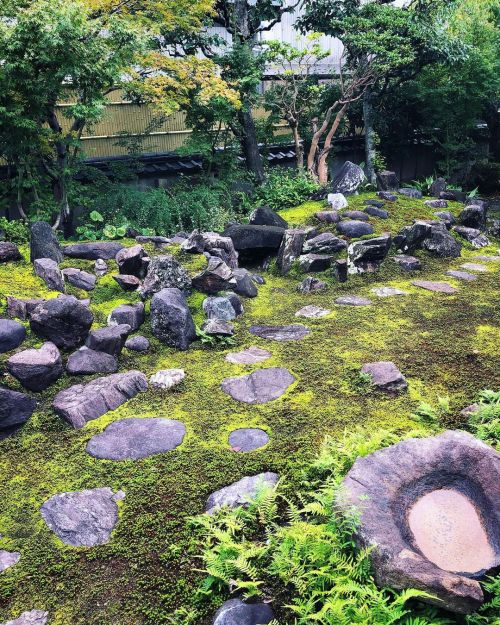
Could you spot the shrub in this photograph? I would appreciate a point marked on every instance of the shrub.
(484, 423)
(16, 231)
(285, 188)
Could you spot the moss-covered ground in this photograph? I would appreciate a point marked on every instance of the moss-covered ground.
(446, 345)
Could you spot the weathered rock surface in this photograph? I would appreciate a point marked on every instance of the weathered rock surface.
(281, 333)
(110, 339)
(385, 376)
(219, 308)
(164, 272)
(92, 251)
(100, 267)
(437, 187)
(133, 261)
(213, 243)
(387, 181)
(48, 270)
(377, 212)
(311, 284)
(474, 267)
(64, 320)
(339, 270)
(337, 201)
(245, 285)
(461, 275)
(15, 409)
(250, 356)
(218, 327)
(132, 439)
(473, 216)
(259, 387)
(387, 196)
(44, 243)
(325, 243)
(12, 334)
(407, 263)
(80, 279)
(348, 178)
(87, 361)
(261, 239)
(167, 378)
(356, 215)
(430, 235)
(8, 559)
(236, 612)
(328, 217)
(9, 252)
(441, 243)
(368, 255)
(33, 617)
(436, 203)
(314, 262)
(36, 369)
(82, 519)
(218, 276)
(354, 228)
(290, 249)
(21, 308)
(473, 235)
(411, 193)
(129, 314)
(352, 300)
(312, 312)
(265, 216)
(240, 493)
(445, 216)
(171, 320)
(84, 402)
(438, 287)
(137, 343)
(127, 283)
(248, 439)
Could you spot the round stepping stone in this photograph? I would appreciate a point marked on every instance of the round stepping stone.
(353, 300)
(8, 559)
(474, 267)
(437, 287)
(386, 376)
(250, 356)
(260, 386)
(133, 439)
(461, 275)
(248, 439)
(33, 617)
(387, 291)
(167, 378)
(281, 333)
(312, 312)
(82, 519)
(240, 493)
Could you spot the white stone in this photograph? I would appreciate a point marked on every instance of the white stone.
(312, 312)
(167, 378)
(387, 291)
(337, 201)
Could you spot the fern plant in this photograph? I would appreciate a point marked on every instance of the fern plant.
(485, 421)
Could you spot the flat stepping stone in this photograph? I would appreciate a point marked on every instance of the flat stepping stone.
(250, 356)
(248, 439)
(386, 376)
(260, 386)
(474, 267)
(353, 300)
(487, 259)
(312, 312)
(133, 439)
(461, 275)
(82, 519)
(33, 617)
(240, 493)
(281, 333)
(437, 287)
(167, 378)
(387, 291)
(8, 559)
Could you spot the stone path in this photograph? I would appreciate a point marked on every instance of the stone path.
(312, 312)
(248, 439)
(250, 356)
(387, 291)
(260, 386)
(474, 267)
(281, 333)
(461, 275)
(353, 300)
(437, 287)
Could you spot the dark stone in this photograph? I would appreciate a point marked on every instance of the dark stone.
(281, 333)
(36, 369)
(326, 243)
(133, 439)
(63, 320)
(314, 262)
(80, 279)
(214, 244)
(430, 235)
(473, 217)
(236, 303)
(133, 261)
(337, 201)
(127, 283)
(290, 249)
(387, 181)
(48, 270)
(354, 229)
(236, 612)
(92, 251)
(473, 235)
(411, 193)
(348, 178)
(377, 212)
(339, 270)
(438, 187)
(446, 217)
(15, 409)
(130, 314)
(244, 286)
(386, 485)
(44, 243)
(385, 376)
(453, 196)
(84, 402)
(367, 255)
(375, 203)
(137, 343)
(82, 519)
(407, 263)
(171, 320)
(110, 339)
(219, 308)
(387, 196)
(352, 300)
(240, 493)
(255, 240)
(328, 217)
(87, 361)
(437, 287)
(436, 203)
(310, 284)
(356, 215)
(12, 334)
(9, 252)
(441, 243)
(265, 216)
(21, 308)
(217, 327)
(33, 617)
(164, 272)
(218, 276)
(477, 202)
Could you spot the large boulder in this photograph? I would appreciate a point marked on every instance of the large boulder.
(63, 320)
(430, 235)
(130, 314)
(475, 237)
(265, 216)
(36, 369)
(87, 361)
(441, 243)
(354, 228)
(110, 339)
(9, 252)
(12, 334)
(80, 279)
(105, 250)
(21, 308)
(290, 249)
(164, 272)
(218, 276)
(15, 409)
(240, 493)
(252, 241)
(44, 243)
(133, 261)
(325, 243)
(367, 255)
(48, 270)
(245, 284)
(236, 612)
(414, 194)
(473, 216)
(348, 179)
(387, 181)
(84, 402)
(214, 244)
(171, 320)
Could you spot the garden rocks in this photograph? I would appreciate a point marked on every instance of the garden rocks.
(354, 229)
(328, 217)
(281, 333)
(87, 361)
(387, 196)
(236, 612)
(441, 243)
(48, 270)
(36, 369)
(407, 263)
(15, 409)
(164, 272)
(8, 559)
(255, 240)
(249, 356)
(325, 243)
(133, 439)
(385, 376)
(259, 387)
(311, 284)
(82, 519)
(92, 251)
(348, 178)
(80, 279)
(9, 252)
(217, 327)
(240, 493)
(290, 249)
(127, 283)
(437, 187)
(137, 343)
(245, 285)
(431, 236)
(130, 314)
(219, 308)
(22, 308)
(218, 276)
(453, 196)
(64, 321)
(436, 203)
(33, 617)
(264, 216)
(337, 201)
(44, 243)
(100, 267)
(314, 262)
(248, 439)
(156, 240)
(376, 212)
(387, 181)
(214, 244)
(12, 334)
(167, 378)
(352, 300)
(368, 255)
(312, 312)
(446, 217)
(474, 267)
(339, 270)
(109, 340)
(84, 402)
(387, 291)
(462, 275)
(437, 287)
(473, 216)
(356, 215)
(473, 235)
(171, 320)
(411, 193)
(133, 261)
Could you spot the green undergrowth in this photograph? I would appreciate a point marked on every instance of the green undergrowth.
(446, 345)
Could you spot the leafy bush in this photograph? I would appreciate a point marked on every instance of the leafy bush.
(16, 231)
(285, 188)
(485, 421)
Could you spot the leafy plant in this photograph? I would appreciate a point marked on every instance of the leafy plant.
(423, 185)
(213, 340)
(432, 415)
(485, 421)
(285, 188)
(16, 231)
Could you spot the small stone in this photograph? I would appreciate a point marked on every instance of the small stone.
(127, 283)
(259, 387)
(12, 334)
(314, 262)
(377, 212)
(311, 284)
(245, 286)
(258, 279)
(328, 217)
(407, 263)
(353, 300)
(129, 314)
(387, 291)
(110, 339)
(250, 356)
(312, 312)
(445, 216)
(487, 259)
(100, 267)
(461, 275)
(248, 439)
(387, 196)
(437, 287)
(48, 270)
(340, 270)
(473, 216)
(9, 252)
(33, 617)
(281, 333)
(9, 558)
(80, 279)
(474, 267)
(217, 327)
(167, 378)
(87, 361)
(137, 343)
(359, 215)
(386, 376)
(337, 201)
(374, 203)
(36, 369)
(354, 228)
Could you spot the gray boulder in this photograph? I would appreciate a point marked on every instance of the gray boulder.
(265, 216)
(310, 285)
(110, 339)
(251, 240)
(290, 249)
(314, 262)
(127, 283)
(446, 217)
(133, 261)
(219, 308)
(15, 409)
(64, 321)
(84, 402)
(441, 243)
(373, 211)
(473, 216)
(438, 187)
(248, 439)
(217, 327)
(12, 334)
(130, 314)
(387, 196)
(33, 617)
(236, 612)
(368, 255)
(281, 333)
(240, 493)
(48, 270)
(44, 243)
(164, 272)
(430, 235)
(80, 279)
(354, 228)
(475, 237)
(87, 361)
(137, 343)
(339, 270)
(9, 252)
(348, 179)
(214, 244)
(436, 203)
(105, 250)
(415, 194)
(328, 217)
(356, 215)
(36, 369)
(21, 308)
(245, 285)
(325, 243)
(385, 376)
(387, 181)
(171, 320)
(218, 276)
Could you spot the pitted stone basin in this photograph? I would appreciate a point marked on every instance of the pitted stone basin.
(448, 531)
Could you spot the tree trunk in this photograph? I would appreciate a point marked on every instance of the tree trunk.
(322, 164)
(370, 147)
(250, 145)
(299, 148)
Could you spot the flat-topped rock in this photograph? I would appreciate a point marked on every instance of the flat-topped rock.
(281, 333)
(236, 612)
(84, 518)
(109, 339)
(373, 211)
(218, 276)
(354, 228)
(356, 215)
(474, 267)
(48, 270)
(252, 237)
(407, 263)
(87, 361)
(353, 300)
(167, 378)
(259, 387)
(8, 559)
(129, 314)
(461, 275)
(328, 217)
(33, 617)
(315, 262)
(36, 369)
(132, 439)
(249, 356)
(475, 237)
(64, 320)
(80, 279)
(92, 251)
(15, 409)
(126, 282)
(84, 402)
(12, 334)
(386, 376)
(487, 259)
(240, 493)
(248, 439)
(437, 287)
(325, 243)
(387, 291)
(312, 312)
